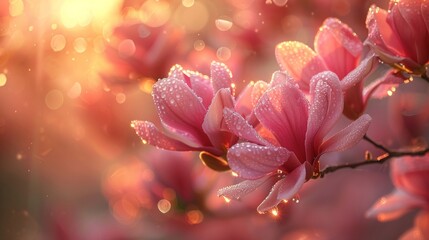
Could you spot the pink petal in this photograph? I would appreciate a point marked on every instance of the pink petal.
(252, 161)
(300, 61)
(425, 14)
(177, 72)
(284, 111)
(272, 200)
(280, 77)
(380, 87)
(259, 89)
(220, 76)
(393, 206)
(339, 46)
(292, 183)
(284, 189)
(238, 126)
(360, 73)
(412, 175)
(381, 37)
(409, 25)
(151, 135)
(214, 125)
(174, 101)
(348, 136)
(202, 87)
(241, 189)
(325, 109)
(243, 105)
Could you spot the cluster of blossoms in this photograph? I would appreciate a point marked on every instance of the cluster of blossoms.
(274, 134)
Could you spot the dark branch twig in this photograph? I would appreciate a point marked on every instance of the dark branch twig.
(379, 160)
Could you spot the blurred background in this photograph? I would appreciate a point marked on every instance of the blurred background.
(74, 73)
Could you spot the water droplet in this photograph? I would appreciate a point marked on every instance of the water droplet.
(199, 45)
(223, 24)
(164, 205)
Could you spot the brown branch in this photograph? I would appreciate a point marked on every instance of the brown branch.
(379, 160)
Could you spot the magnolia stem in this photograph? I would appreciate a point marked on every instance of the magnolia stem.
(379, 160)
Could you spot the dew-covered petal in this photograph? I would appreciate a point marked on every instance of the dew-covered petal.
(258, 90)
(406, 20)
(284, 111)
(300, 61)
(214, 125)
(348, 136)
(150, 134)
(292, 183)
(243, 104)
(379, 88)
(202, 87)
(339, 46)
(394, 205)
(360, 73)
(243, 188)
(177, 72)
(381, 37)
(253, 161)
(220, 76)
(238, 126)
(325, 109)
(284, 189)
(174, 101)
(280, 77)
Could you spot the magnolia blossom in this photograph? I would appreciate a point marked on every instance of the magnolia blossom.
(337, 49)
(299, 129)
(190, 107)
(138, 51)
(400, 35)
(410, 175)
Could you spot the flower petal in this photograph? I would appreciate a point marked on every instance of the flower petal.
(280, 77)
(220, 76)
(362, 71)
(243, 188)
(214, 125)
(202, 87)
(284, 189)
(393, 206)
(238, 126)
(244, 105)
(174, 101)
(325, 109)
(284, 111)
(151, 135)
(339, 46)
(348, 136)
(252, 161)
(300, 61)
(259, 89)
(381, 37)
(406, 19)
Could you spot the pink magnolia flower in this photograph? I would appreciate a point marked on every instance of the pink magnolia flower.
(138, 51)
(410, 175)
(300, 128)
(190, 107)
(400, 35)
(337, 49)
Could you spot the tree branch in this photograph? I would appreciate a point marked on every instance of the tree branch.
(379, 160)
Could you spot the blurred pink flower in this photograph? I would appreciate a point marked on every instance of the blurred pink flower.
(410, 175)
(300, 129)
(337, 49)
(137, 51)
(190, 107)
(400, 35)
